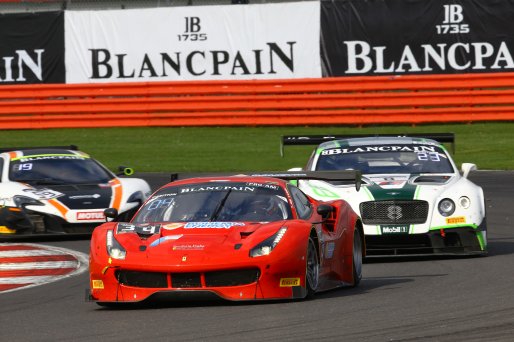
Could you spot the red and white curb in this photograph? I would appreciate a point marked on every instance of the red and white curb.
(28, 265)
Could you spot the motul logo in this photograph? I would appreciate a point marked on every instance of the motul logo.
(90, 215)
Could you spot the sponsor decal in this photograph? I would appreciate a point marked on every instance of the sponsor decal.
(289, 282)
(188, 247)
(25, 159)
(215, 225)
(44, 193)
(97, 284)
(6, 230)
(455, 220)
(218, 188)
(165, 238)
(85, 196)
(267, 186)
(381, 148)
(90, 215)
(171, 226)
(391, 182)
(394, 229)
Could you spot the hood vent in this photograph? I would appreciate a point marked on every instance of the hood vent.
(435, 180)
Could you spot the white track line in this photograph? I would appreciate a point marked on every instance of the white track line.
(81, 265)
(28, 252)
(39, 265)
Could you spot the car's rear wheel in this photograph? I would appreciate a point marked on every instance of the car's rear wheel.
(357, 257)
(312, 269)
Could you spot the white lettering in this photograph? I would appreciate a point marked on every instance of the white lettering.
(362, 58)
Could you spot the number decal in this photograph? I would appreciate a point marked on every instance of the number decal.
(23, 167)
(146, 229)
(44, 194)
(429, 156)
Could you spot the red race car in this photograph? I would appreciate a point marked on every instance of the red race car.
(236, 237)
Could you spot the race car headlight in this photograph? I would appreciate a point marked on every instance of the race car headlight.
(446, 207)
(114, 248)
(265, 247)
(464, 202)
(21, 201)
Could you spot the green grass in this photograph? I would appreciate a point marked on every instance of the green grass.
(164, 149)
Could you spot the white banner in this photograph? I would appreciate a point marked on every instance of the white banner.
(264, 41)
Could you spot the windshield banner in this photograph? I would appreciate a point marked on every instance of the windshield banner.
(416, 37)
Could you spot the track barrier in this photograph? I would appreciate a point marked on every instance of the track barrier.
(362, 100)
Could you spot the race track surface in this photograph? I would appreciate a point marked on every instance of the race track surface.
(437, 299)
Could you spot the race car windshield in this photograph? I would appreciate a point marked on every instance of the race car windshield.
(380, 159)
(217, 201)
(64, 169)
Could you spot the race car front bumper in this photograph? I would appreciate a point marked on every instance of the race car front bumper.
(465, 240)
(16, 222)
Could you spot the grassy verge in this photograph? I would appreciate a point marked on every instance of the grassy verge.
(489, 145)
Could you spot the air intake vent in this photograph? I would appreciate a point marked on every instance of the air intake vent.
(394, 212)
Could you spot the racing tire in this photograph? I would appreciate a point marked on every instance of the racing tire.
(311, 269)
(357, 258)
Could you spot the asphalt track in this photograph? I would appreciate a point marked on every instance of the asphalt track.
(436, 299)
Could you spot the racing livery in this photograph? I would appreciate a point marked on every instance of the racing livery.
(413, 198)
(236, 238)
(59, 190)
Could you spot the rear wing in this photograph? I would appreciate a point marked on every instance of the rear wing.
(351, 176)
(10, 149)
(318, 139)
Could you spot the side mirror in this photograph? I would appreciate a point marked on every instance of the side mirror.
(467, 168)
(324, 210)
(125, 171)
(111, 213)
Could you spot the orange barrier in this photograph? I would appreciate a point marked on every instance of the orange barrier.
(328, 101)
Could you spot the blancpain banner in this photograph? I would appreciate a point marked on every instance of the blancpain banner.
(269, 41)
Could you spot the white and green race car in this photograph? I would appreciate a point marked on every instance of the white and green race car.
(413, 199)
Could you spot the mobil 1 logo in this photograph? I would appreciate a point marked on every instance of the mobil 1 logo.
(192, 30)
(394, 229)
(453, 21)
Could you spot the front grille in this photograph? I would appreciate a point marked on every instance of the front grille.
(188, 280)
(181, 280)
(231, 277)
(394, 212)
(142, 279)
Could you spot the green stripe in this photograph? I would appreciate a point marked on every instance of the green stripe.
(481, 241)
(474, 226)
(370, 197)
(381, 194)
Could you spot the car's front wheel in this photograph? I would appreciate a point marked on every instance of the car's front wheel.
(357, 257)
(312, 269)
